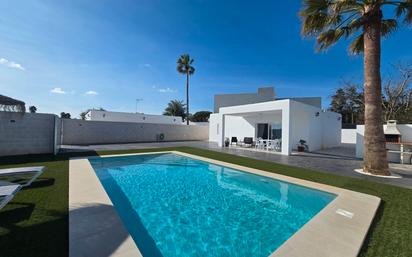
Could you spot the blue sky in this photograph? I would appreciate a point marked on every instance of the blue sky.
(73, 55)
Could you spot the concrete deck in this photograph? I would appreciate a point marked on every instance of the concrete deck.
(339, 160)
(96, 230)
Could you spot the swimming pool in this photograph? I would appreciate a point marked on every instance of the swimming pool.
(173, 205)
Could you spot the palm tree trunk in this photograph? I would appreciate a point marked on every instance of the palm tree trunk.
(187, 98)
(375, 160)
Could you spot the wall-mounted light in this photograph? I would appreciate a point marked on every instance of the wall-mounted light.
(317, 114)
(339, 118)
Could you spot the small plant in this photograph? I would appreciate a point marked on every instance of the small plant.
(302, 146)
(227, 142)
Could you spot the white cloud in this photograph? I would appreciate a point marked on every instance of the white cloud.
(11, 64)
(91, 92)
(166, 90)
(58, 90)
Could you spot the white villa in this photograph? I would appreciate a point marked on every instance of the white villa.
(262, 116)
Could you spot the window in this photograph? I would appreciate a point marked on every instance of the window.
(269, 130)
(217, 129)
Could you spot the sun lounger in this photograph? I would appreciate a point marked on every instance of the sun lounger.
(7, 192)
(21, 172)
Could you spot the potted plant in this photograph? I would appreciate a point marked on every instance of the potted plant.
(227, 142)
(302, 146)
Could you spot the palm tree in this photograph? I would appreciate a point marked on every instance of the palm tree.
(364, 22)
(184, 66)
(175, 108)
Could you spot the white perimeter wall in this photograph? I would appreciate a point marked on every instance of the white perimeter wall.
(27, 133)
(405, 129)
(83, 132)
(348, 136)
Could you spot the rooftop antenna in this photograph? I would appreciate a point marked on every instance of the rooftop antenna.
(137, 101)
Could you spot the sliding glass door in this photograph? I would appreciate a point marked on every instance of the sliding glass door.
(275, 130)
(269, 130)
(262, 130)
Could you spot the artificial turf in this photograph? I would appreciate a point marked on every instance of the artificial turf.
(35, 223)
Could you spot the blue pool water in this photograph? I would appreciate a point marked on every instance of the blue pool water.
(178, 206)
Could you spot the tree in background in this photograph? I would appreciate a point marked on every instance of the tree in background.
(396, 98)
(32, 109)
(397, 95)
(65, 115)
(348, 101)
(175, 108)
(202, 116)
(364, 22)
(184, 66)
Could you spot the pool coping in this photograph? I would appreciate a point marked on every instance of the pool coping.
(337, 230)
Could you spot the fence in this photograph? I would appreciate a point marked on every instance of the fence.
(81, 132)
(27, 133)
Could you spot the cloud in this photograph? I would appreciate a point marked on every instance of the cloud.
(91, 92)
(166, 90)
(11, 64)
(58, 90)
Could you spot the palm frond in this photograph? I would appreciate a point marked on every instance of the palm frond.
(388, 26)
(356, 47)
(404, 8)
(328, 38)
(184, 65)
(329, 20)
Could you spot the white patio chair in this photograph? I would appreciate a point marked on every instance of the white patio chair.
(22, 172)
(278, 145)
(259, 144)
(271, 145)
(7, 192)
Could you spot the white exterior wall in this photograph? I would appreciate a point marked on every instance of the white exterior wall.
(214, 127)
(322, 131)
(348, 136)
(96, 115)
(237, 126)
(406, 132)
(331, 129)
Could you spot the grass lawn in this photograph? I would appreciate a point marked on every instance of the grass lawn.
(35, 223)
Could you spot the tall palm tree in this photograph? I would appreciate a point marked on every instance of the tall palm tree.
(175, 108)
(364, 23)
(184, 66)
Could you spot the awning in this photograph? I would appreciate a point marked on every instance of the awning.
(10, 104)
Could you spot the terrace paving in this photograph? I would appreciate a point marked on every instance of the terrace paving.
(338, 160)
